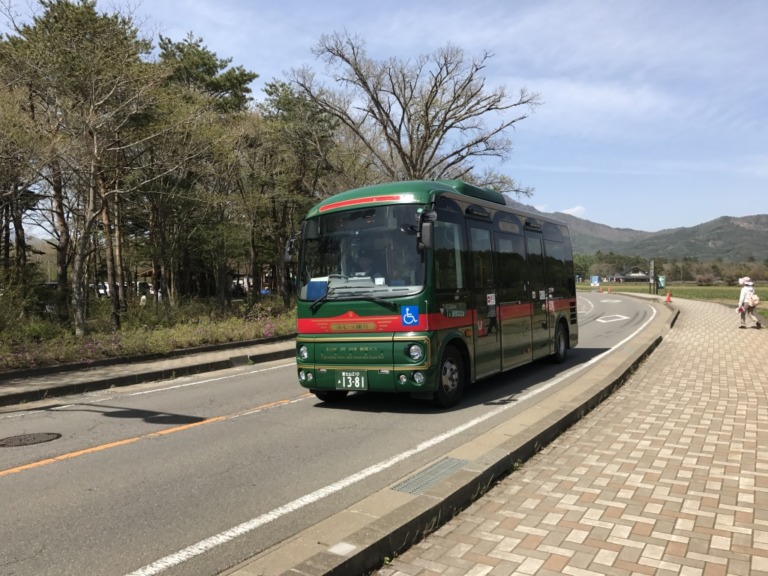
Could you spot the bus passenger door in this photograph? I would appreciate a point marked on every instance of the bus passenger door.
(484, 300)
(538, 293)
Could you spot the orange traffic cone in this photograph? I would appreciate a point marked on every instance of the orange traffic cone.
(601, 289)
(609, 289)
(669, 297)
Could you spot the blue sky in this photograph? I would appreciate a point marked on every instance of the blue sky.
(654, 114)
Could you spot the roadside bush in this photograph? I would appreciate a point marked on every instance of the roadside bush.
(10, 308)
(150, 329)
(37, 330)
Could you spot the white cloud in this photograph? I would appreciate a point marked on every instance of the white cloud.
(578, 211)
(611, 110)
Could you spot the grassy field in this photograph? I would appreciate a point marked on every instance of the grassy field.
(723, 294)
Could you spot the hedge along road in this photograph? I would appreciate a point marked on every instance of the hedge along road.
(198, 474)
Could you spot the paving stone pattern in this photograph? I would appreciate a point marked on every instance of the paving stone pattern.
(668, 476)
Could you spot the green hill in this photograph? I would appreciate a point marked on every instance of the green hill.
(729, 238)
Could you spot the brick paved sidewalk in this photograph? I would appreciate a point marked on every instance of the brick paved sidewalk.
(667, 476)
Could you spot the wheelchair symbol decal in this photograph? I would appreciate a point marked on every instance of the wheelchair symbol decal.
(409, 315)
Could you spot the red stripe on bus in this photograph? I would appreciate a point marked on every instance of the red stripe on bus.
(440, 322)
(564, 304)
(355, 201)
(350, 322)
(511, 311)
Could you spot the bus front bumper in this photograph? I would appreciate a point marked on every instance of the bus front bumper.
(360, 379)
(393, 362)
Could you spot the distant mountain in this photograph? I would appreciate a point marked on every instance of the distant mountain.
(732, 239)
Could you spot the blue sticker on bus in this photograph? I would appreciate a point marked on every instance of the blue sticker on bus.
(409, 315)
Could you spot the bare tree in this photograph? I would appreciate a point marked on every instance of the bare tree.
(424, 119)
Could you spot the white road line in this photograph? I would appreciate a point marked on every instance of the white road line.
(585, 303)
(612, 318)
(141, 393)
(198, 382)
(223, 537)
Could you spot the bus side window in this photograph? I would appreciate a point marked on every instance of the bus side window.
(554, 267)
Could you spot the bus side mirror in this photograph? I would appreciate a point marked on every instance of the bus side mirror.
(289, 248)
(426, 227)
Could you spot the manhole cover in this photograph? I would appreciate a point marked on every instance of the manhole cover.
(28, 439)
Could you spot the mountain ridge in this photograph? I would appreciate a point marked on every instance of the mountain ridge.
(729, 238)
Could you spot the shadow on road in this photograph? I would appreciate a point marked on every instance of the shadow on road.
(495, 390)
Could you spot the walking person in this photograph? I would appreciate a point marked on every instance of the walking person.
(748, 302)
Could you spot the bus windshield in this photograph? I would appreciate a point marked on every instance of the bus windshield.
(371, 251)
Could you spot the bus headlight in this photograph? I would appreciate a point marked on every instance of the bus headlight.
(416, 352)
(419, 378)
(303, 352)
(302, 375)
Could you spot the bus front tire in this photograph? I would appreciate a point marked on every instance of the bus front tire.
(561, 344)
(330, 395)
(450, 384)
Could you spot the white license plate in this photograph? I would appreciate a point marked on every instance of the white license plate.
(351, 380)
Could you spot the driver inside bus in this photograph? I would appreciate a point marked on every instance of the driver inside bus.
(366, 265)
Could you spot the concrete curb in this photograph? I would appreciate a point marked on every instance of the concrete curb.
(195, 366)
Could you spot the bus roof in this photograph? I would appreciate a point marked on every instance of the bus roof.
(407, 192)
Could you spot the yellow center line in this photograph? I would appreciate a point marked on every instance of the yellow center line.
(126, 441)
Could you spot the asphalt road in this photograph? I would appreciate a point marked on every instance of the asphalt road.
(239, 459)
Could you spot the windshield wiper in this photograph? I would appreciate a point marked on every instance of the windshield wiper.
(317, 303)
(376, 299)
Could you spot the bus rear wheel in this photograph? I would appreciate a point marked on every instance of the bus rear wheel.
(330, 395)
(561, 344)
(450, 384)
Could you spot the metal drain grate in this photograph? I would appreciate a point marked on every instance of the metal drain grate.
(28, 439)
(424, 480)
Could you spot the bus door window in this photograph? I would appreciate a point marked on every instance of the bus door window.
(449, 264)
(538, 293)
(558, 269)
(555, 261)
(487, 340)
(450, 257)
(513, 300)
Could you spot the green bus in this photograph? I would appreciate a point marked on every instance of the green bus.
(424, 287)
